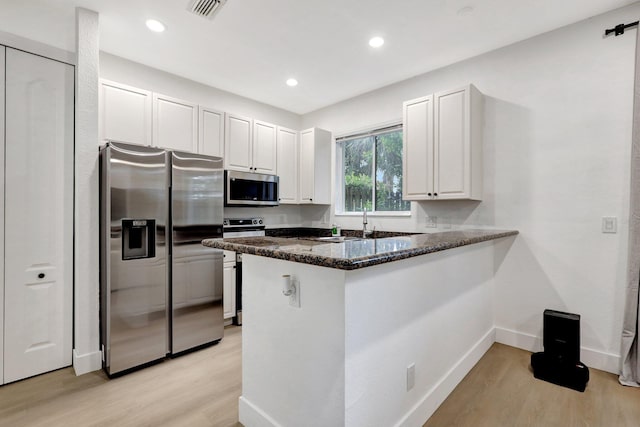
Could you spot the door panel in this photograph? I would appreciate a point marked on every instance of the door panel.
(418, 149)
(134, 289)
(237, 148)
(197, 213)
(125, 113)
(2, 62)
(264, 147)
(288, 165)
(175, 124)
(39, 215)
(452, 145)
(307, 146)
(211, 132)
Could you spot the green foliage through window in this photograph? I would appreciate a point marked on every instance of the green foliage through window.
(373, 173)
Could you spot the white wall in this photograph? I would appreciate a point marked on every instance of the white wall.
(556, 155)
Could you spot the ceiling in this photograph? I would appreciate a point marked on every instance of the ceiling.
(252, 47)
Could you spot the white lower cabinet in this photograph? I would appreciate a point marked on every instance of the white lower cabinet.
(229, 285)
(442, 148)
(38, 214)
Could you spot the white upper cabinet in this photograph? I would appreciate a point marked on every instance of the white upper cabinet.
(237, 143)
(250, 145)
(315, 166)
(211, 132)
(175, 124)
(125, 113)
(264, 147)
(417, 153)
(287, 161)
(443, 146)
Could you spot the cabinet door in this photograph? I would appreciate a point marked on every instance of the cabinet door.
(264, 147)
(38, 278)
(2, 145)
(237, 143)
(175, 124)
(306, 165)
(452, 167)
(229, 291)
(417, 156)
(125, 113)
(287, 162)
(211, 132)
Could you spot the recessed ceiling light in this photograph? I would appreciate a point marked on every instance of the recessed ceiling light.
(292, 82)
(155, 26)
(376, 42)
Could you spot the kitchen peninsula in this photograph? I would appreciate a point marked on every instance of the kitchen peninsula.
(384, 331)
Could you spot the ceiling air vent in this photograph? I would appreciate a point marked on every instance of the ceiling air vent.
(206, 8)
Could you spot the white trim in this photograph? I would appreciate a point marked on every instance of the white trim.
(38, 48)
(397, 121)
(250, 415)
(423, 410)
(596, 359)
(89, 362)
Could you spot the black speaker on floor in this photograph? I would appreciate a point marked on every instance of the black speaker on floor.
(559, 363)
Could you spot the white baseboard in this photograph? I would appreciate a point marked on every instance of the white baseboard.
(252, 416)
(592, 358)
(421, 412)
(88, 362)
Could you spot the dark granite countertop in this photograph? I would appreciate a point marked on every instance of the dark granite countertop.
(354, 254)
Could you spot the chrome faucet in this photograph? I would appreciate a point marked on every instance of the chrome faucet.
(365, 232)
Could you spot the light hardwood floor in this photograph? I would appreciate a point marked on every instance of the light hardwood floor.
(501, 391)
(202, 389)
(197, 389)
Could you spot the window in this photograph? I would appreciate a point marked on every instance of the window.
(371, 171)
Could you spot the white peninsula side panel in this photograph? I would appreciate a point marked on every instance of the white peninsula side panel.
(342, 357)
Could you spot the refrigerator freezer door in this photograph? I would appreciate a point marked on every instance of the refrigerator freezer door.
(134, 202)
(197, 213)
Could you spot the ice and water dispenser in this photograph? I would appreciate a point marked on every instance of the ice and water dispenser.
(138, 238)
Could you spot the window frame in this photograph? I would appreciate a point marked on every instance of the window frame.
(339, 189)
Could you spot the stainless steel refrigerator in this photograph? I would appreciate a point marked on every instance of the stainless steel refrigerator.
(161, 290)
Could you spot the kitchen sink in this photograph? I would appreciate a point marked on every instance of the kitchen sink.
(331, 239)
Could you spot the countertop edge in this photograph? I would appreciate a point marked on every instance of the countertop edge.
(357, 263)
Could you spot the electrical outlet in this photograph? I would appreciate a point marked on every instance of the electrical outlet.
(294, 298)
(411, 376)
(431, 222)
(609, 224)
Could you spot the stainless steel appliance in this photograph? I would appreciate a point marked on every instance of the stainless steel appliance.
(161, 290)
(242, 227)
(250, 189)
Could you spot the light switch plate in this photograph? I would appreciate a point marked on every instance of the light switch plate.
(431, 221)
(411, 376)
(609, 224)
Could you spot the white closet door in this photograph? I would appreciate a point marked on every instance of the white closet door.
(38, 215)
(2, 61)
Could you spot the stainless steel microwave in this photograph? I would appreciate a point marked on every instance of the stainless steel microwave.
(250, 189)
